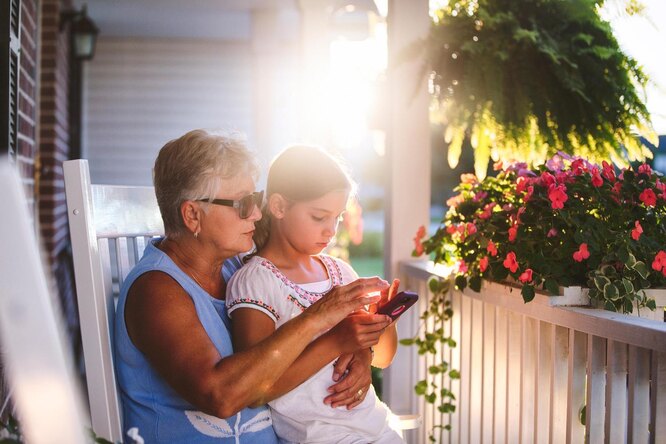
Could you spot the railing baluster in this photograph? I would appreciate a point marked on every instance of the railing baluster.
(559, 385)
(658, 399)
(456, 304)
(465, 361)
(616, 393)
(639, 394)
(514, 373)
(596, 389)
(543, 393)
(501, 340)
(576, 394)
(528, 387)
(488, 417)
(476, 372)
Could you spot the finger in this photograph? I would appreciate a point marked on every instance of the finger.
(346, 385)
(354, 404)
(341, 365)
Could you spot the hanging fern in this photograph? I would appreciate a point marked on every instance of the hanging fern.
(523, 80)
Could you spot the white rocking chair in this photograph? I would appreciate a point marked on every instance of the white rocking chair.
(110, 227)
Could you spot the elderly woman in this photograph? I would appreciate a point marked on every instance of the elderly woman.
(178, 376)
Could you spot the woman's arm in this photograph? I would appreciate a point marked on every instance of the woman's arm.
(358, 331)
(162, 323)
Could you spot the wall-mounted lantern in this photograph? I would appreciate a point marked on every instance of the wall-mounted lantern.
(83, 32)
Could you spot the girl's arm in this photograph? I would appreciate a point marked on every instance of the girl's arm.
(386, 347)
(252, 327)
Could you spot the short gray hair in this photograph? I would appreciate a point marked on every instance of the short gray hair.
(192, 167)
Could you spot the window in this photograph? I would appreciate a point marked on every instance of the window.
(10, 25)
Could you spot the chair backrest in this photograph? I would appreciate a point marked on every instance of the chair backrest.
(110, 227)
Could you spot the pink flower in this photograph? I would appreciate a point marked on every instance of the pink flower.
(582, 253)
(469, 178)
(659, 263)
(637, 231)
(453, 202)
(483, 264)
(471, 228)
(608, 171)
(513, 232)
(645, 169)
(557, 195)
(491, 248)
(521, 184)
(526, 276)
(648, 197)
(552, 232)
(479, 196)
(510, 262)
(597, 181)
(418, 245)
(617, 188)
(462, 267)
(451, 229)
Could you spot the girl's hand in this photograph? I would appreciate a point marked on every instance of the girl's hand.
(339, 302)
(354, 386)
(386, 296)
(359, 330)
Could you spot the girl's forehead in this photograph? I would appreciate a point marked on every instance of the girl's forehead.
(333, 200)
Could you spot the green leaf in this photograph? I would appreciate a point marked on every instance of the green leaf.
(610, 306)
(407, 341)
(601, 281)
(421, 387)
(475, 283)
(434, 285)
(551, 286)
(454, 374)
(631, 261)
(611, 292)
(651, 304)
(641, 269)
(527, 292)
(461, 282)
(628, 306)
(628, 286)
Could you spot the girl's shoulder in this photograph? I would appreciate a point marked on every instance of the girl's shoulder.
(344, 269)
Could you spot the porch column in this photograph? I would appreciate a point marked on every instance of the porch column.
(408, 177)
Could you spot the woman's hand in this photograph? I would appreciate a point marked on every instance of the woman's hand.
(342, 300)
(359, 330)
(353, 388)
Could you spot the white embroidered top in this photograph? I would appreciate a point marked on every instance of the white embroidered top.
(301, 415)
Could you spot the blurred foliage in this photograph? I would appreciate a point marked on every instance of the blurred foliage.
(524, 80)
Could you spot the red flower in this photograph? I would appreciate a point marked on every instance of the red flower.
(513, 232)
(526, 276)
(510, 262)
(557, 195)
(462, 267)
(552, 232)
(659, 263)
(645, 169)
(471, 228)
(491, 248)
(487, 210)
(637, 231)
(578, 167)
(528, 195)
(648, 197)
(547, 179)
(418, 245)
(582, 253)
(521, 184)
(483, 264)
(608, 171)
(451, 229)
(597, 181)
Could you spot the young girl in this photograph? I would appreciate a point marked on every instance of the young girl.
(307, 193)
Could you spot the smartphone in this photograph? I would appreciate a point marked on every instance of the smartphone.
(399, 304)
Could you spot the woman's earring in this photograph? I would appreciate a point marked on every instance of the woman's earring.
(196, 234)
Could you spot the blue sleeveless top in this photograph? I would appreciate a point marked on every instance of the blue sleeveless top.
(149, 403)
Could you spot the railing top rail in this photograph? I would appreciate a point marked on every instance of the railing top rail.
(619, 327)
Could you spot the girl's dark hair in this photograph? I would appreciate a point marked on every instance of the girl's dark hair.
(299, 174)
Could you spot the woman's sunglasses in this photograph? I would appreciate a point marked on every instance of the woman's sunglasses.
(245, 205)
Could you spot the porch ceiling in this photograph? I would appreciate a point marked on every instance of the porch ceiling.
(214, 19)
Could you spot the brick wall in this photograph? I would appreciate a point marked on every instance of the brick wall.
(54, 142)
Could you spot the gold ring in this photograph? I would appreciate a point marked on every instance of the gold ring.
(359, 393)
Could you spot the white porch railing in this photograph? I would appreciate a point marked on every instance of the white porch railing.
(527, 370)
